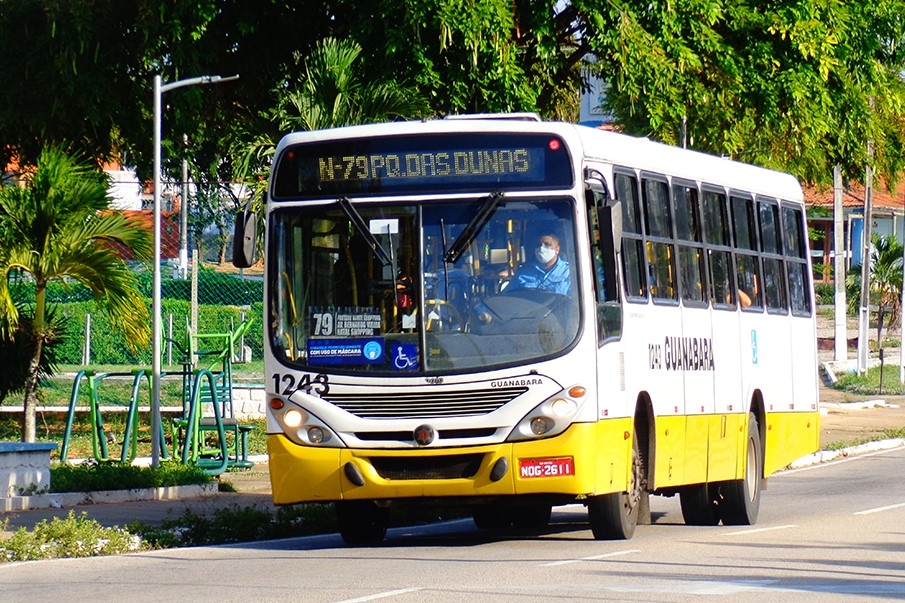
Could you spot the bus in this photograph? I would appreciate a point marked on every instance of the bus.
(505, 315)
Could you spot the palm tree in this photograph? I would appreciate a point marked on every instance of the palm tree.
(885, 281)
(337, 93)
(57, 226)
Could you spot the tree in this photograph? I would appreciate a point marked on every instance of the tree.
(17, 350)
(885, 281)
(56, 226)
(798, 85)
(335, 91)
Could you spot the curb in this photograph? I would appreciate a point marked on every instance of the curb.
(825, 456)
(59, 500)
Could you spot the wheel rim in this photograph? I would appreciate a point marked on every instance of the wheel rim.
(752, 470)
(633, 499)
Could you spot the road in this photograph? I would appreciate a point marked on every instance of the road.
(833, 532)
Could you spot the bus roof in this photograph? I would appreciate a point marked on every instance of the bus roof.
(601, 145)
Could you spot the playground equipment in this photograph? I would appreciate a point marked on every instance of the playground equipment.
(205, 433)
(99, 436)
(208, 406)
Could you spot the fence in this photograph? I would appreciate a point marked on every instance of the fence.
(212, 298)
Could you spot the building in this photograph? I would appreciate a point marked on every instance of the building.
(887, 217)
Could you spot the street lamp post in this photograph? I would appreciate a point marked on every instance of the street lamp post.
(156, 327)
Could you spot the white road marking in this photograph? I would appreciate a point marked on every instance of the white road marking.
(383, 595)
(757, 530)
(879, 509)
(591, 558)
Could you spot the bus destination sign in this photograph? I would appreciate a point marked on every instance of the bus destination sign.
(443, 164)
(449, 163)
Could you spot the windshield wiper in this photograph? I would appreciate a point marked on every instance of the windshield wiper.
(364, 231)
(467, 236)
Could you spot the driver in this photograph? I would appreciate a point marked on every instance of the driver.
(548, 272)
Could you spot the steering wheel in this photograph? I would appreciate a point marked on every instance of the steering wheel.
(442, 317)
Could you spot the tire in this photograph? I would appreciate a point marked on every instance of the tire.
(614, 516)
(741, 498)
(361, 522)
(700, 505)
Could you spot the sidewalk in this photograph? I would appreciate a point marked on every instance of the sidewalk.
(252, 490)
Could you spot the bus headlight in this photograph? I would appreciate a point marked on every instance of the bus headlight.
(549, 418)
(304, 428)
(292, 418)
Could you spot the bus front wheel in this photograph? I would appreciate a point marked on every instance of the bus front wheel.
(741, 498)
(361, 522)
(614, 516)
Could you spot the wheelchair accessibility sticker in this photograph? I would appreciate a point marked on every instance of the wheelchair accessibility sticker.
(405, 356)
(753, 346)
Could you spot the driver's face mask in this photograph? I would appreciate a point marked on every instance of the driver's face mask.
(545, 254)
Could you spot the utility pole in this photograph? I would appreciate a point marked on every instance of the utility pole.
(841, 331)
(864, 310)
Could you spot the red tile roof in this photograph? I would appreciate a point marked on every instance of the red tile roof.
(853, 196)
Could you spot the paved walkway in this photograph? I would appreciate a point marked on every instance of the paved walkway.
(253, 490)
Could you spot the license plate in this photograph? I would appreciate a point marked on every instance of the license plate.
(554, 467)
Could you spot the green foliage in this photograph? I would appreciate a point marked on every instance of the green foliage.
(869, 383)
(797, 86)
(825, 293)
(111, 347)
(18, 349)
(885, 289)
(74, 536)
(57, 226)
(88, 477)
(239, 524)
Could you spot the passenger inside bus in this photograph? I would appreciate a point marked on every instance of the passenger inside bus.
(549, 272)
(744, 298)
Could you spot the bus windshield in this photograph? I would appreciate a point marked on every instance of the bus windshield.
(423, 287)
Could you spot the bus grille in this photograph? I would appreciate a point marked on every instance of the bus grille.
(457, 466)
(424, 405)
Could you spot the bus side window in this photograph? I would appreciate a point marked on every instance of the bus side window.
(604, 223)
(796, 261)
(750, 289)
(716, 237)
(774, 272)
(634, 261)
(691, 247)
(661, 255)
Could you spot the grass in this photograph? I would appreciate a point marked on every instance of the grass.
(886, 434)
(869, 384)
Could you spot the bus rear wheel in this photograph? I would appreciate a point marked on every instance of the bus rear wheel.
(741, 498)
(700, 504)
(361, 522)
(614, 516)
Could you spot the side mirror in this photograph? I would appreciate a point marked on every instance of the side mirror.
(244, 238)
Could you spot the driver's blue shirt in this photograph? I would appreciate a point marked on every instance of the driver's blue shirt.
(556, 279)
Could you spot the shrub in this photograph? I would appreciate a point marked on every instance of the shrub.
(90, 477)
(74, 536)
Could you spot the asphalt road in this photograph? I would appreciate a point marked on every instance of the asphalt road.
(832, 532)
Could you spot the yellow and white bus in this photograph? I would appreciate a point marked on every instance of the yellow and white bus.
(508, 315)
